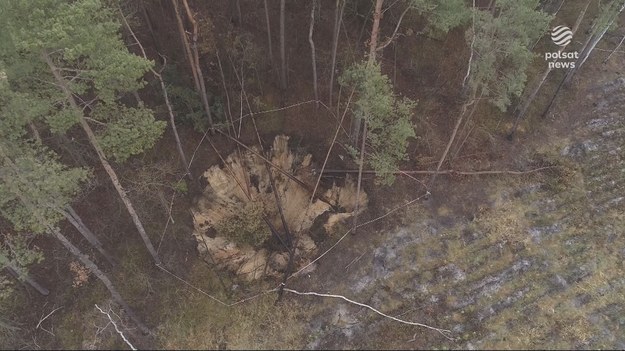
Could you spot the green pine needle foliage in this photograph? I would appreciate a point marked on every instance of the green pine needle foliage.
(388, 118)
(129, 131)
(502, 48)
(36, 174)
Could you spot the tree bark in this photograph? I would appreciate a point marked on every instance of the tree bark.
(453, 134)
(240, 17)
(360, 167)
(269, 44)
(375, 30)
(75, 220)
(283, 83)
(103, 160)
(223, 82)
(196, 62)
(526, 104)
(186, 45)
(93, 268)
(373, 45)
(594, 43)
(25, 278)
(338, 18)
(148, 21)
(392, 37)
(172, 118)
(312, 52)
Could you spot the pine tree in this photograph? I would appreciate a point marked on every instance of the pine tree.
(68, 57)
(33, 184)
(502, 44)
(386, 115)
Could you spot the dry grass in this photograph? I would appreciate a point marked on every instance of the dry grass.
(198, 323)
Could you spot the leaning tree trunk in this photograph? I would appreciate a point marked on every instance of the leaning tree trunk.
(598, 38)
(198, 68)
(312, 51)
(283, 83)
(75, 220)
(526, 104)
(588, 49)
(186, 46)
(172, 117)
(103, 160)
(25, 278)
(454, 132)
(91, 266)
(338, 18)
(269, 45)
(148, 21)
(373, 46)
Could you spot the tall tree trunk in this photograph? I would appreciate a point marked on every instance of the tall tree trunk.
(465, 106)
(360, 167)
(172, 117)
(373, 46)
(148, 21)
(25, 278)
(338, 18)
(586, 53)
(107, 167)
(587, 49)
(312, 52)
(75, 220)
(198, 68)
(223, 82)
(283, 83)
(186, 46)
(240, 18)
(269, 44)
(375, 30)
(526, 104)
(91, 266)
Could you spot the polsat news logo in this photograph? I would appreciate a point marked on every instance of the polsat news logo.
(561, 36)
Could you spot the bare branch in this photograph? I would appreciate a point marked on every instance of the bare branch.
(464, 81)
(172, 118)
(46, 317)
(392, 37)
(94, 121)
(116, 327)
(169, 219)
(338, 128)
(443, 332)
